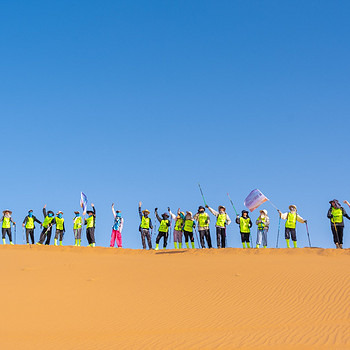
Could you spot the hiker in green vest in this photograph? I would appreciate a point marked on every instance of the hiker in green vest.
(203, 221)
(189, 226)
(145, 226)
(178, 229)
(336, 214)
(291, 221)
(28, 223)
(263, 222)
(60, 229)
(163, 229)
(77, 228)
(222, 220)
(6, 225)
(90, 226)
(49, 221)
(245, 223)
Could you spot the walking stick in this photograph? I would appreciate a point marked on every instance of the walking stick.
(195, 230)
(278, 232)
(336, 232)
(200, 188)
(308, 235)
(232, 204)
(15, 232)
(24, 242)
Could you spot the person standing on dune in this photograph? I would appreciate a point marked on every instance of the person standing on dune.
(245, 223)
(291, 221)
(6, 225)
(203, 221)
(49, 221)
(178, 229)
(117, 228)
(336, 214)
(60, 229)
(29, 224)
(222, 220)
(163, 229)
(145, 226)
(77, 228)
(263, 223)
(90, 226)
(189, 226)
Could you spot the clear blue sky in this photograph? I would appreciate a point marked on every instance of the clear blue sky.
(141, 100)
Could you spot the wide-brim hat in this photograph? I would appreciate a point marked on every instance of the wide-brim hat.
(201, 207)
(145, 211)
(222, 207)
(292, 206)
(31, 210)
(7, 211)
(245, 211)
(89, 212)
(165, 215)
(76, 212)
(263, 211)
(189, 212)
(50, 212)
(333, 200)
(60, 212)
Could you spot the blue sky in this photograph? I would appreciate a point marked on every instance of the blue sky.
(141, 100)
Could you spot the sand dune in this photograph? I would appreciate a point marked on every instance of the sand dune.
(103, 298)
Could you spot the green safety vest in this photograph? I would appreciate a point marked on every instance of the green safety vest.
(163, 227)
(59, 223)
(90, 221)
(221, 220)
(203, 220)
(6, 223)
(291, 220)
(77, 223)
(47, 221)
(337, 216)
(262, 224)
(30, 223)
(189, 225)
(145, 222)
(179, 224)
(244, 225)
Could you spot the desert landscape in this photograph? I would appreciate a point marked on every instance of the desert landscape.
(104, 298)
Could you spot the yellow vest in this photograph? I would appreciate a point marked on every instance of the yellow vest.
(145, 222)
(6, 223)
(90, 221)
(337, 216)
(221, 220)
(77, 223)
(291, 220)
(163, 227)
(203, 220)
(244, 225)
(30, 223)
(189, 225)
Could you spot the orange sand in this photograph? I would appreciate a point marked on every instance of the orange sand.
(103, 298)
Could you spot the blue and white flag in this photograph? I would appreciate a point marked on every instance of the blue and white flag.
(83, 202)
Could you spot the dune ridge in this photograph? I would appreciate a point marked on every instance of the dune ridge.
(103, 298)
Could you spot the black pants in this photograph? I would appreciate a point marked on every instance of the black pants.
(6, 231)
(146, 235)
(90, 235)
(221, 237)
(245, 237)
(337, 234)
(165, 236)
(290, 232)
(30, 232)
(188, 235)
(45, 233)
(205, 234)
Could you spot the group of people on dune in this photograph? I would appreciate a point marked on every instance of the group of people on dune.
(186, 226)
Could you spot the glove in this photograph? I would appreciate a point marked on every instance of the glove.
(305, 221)
(207, 206)
(168, 208)
(155, 209)
(206, 222)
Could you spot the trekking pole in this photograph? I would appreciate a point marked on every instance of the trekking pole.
(195, 230)
(15, 232)
(200, 188)
(232, 204)
(24, 242)
(308, 235)
(278, 232)
(336, 231)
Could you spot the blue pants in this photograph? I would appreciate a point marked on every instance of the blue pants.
(262, 237)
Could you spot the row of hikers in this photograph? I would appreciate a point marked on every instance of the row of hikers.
(185, 225)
